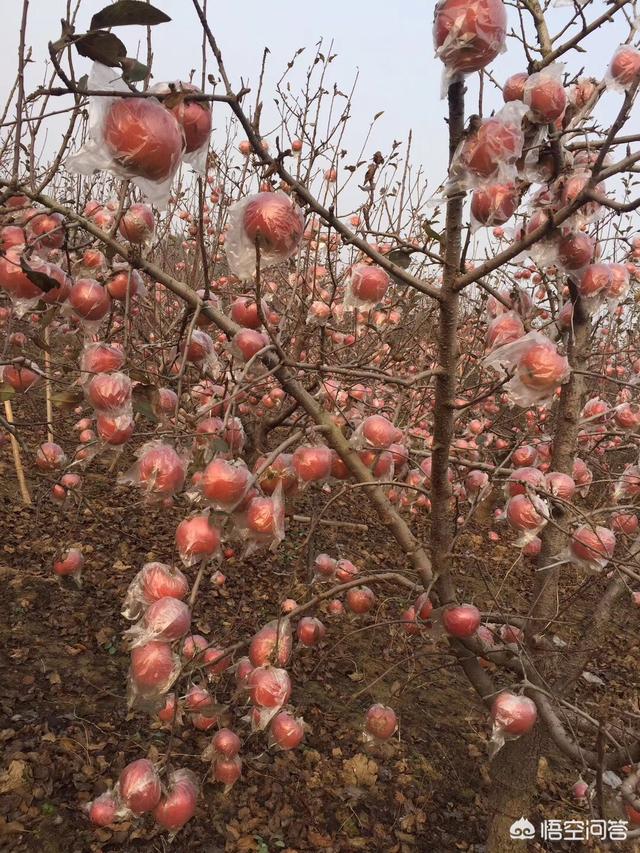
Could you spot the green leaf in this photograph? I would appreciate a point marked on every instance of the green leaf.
(101, 47)
(126, 13)
(83, 83)
(133, 71)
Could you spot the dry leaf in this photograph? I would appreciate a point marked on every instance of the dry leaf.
(16, 777)
(360, 771)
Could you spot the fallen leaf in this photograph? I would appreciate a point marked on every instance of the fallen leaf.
(360, 770)
(15, 778)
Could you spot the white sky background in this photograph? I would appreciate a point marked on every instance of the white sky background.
(389, 45)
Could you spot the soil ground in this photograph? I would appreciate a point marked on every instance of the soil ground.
(65, 731)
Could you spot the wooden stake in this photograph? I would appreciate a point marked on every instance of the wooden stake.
(47, 385)
(328, 522)
(15, 447)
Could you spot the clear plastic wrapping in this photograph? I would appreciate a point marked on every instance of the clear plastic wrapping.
(194, 117)
(152, 582)
(536, 368)
(468, 35)
(590, 547)
(159, 470)
(512, 716)
(273, 221)
(131, 137)
(154, 668)
(366, 286)
(489, 152)
(167, 619)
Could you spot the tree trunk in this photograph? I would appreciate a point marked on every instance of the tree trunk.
(513, 780)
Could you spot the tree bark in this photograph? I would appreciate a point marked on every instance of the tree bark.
(513, 776)
(514, 768)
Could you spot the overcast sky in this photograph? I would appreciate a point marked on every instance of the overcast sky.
(389, 45)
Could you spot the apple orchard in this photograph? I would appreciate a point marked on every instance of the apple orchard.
(288, 354)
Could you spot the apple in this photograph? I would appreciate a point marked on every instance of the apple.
(625, 66)
(494, 204)
(274, 222)
(380, 722)
(546, 97)
(369, 283)
(144, 138)
(541, 367)
(178, 804)
(139, 786)
(286, 731)
(469, 34)
(196, 538)
(168, 619)
(310, 631)
(515, 715)
(513, 89)
(89, 300)
(312, 463)
(461, 620)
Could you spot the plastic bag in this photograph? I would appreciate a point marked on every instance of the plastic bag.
(504, 329)
(380, 724)
(627, 416)
(135, 138)
(154, 668)
(325, 566)
(167, 619)
(366, 286)
(199, 350)
(493, 204)
(224, 484)
(194, 117)
(139, 787)
(159, 471)
(272, 644)
(106, 809)
(261, 523)
(618, 287)
(590, 548)
(100, 358)
(468, 35)
(197, 539)
(110, 392)
(489, 152)
(512, 716)
(24, 294)
(137, 224)
(624, 69)
(178, 802)
(375, 432)
(523, 481)
(582, 477)
(269, 690)
(272, 221)
(527, 515)
(70, 564)
(545, 94)
(535, 366)
(286, 731)
(628, 484)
